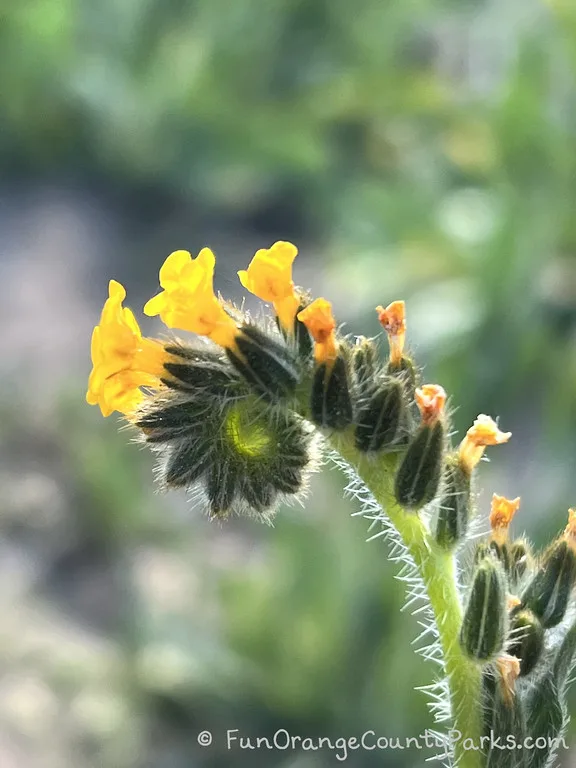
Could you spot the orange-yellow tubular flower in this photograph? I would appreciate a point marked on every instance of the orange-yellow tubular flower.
(483, 432)
(393, 319)
(430, 400)
(503, 510)
(318, 318)
(188, 301)
(122, 360)
(269, 276)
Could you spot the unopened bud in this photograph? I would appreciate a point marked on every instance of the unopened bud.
(221, 489)
(298, 336)
(364, 362)
(491, 548)
(420, 470)
(549, 591)
(454, 510)
(405, 371)
(521, 561)
(501, 550)
(267, 365)
(526, 639)
(200, 371)
(330, 400)
(380, 418)
(187, 461)
(484, 625)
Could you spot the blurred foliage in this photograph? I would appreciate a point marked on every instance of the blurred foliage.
(421, 148)
(180, 634)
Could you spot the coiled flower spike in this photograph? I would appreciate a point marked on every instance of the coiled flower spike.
(241, 416)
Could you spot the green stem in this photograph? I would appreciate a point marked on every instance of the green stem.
(437, 569)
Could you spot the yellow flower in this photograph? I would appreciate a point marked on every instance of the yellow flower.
(188, 301)
(483, 432)
(269, 276)
(318, 318)
(503, 510)
(430, 400)
(122, 360)
(393, 319)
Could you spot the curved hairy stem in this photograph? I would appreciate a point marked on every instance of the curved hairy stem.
(438, 572)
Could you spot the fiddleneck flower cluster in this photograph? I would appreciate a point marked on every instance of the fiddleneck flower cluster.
(242, 413)
(237, 413)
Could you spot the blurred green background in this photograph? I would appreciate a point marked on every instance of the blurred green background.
(417, 149)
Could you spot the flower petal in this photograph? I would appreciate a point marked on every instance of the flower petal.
(171, 269)
(155, 305)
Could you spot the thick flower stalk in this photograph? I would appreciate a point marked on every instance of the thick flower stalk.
(242, 413)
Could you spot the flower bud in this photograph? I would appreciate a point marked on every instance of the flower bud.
(419, 473)
(503, 712)
(187, 461)
(267, 365)
(380, 418)
(204, 372)
(302, 339)
(405, 371)
(364, 363)
(549, 591)
(491, 548)
(527, 639)
(221, 489)
(521, 561)
(501, 550)
(168, 420)
(330, 400)
(485, 619)
(482, 550)
(420, 470)
(454, 510)
(298, 335)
